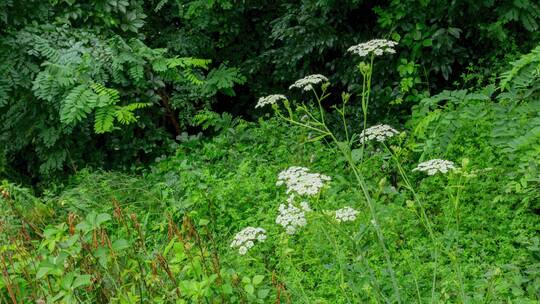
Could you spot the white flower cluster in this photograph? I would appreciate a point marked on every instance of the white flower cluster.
(431, 167)
(303, 205)
(307, 82)
(301, 181)
(346, 214)
(270, 99)
(291, 218)
(375, 46)
(379, 132)
(245, 239)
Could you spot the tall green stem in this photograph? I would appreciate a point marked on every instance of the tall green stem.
(366, 92)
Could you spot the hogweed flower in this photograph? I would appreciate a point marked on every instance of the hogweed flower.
(269, 100)
(246, 238)
(378, 132)
(431, 167)
(376, 47)
(308, 82)
(299, 180)
(291, 218)
(346, 214)
(305, 206)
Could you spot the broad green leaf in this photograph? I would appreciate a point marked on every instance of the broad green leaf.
(257, 279)
(102, 218)
(249, 289)
(263, 293)
(120, 244)
(82, 280)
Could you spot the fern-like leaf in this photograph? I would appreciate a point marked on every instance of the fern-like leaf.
(79, 102)
(524, 72)
(104, 119)
(124, 115)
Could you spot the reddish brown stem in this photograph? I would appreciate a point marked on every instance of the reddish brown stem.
(8, 281)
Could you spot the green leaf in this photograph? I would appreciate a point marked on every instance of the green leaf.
(454, 31)
(104, 119)
(67, 280)
(246, 280)
(203, 222)
(43, 271)
(263, 293)
(356, 155)
(80, 101)
(82, 280)
(120, 244)
(227, 288)
(102, 218)
(427, 42)
(257, 279)
(249, 289)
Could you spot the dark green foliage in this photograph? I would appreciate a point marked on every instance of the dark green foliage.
(285, 40)
(68, 82)
(59, 50)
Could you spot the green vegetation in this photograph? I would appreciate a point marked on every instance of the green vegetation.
(142, 159)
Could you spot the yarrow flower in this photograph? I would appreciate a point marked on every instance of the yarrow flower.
(431, 167)
(379, 132)
(270, 99)
(291, 218)
(346, 214)
(377, 47)
(307, 82)
(299, 180)
(246, 238)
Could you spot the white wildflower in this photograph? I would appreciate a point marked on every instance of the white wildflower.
(305, 206)
(379, 133)
(270, 99)
(378, 47)
(431, 167)
(346, 214)
(299, 180)
(290, 199)
(307, 82)
(291, 218)
(245, 239)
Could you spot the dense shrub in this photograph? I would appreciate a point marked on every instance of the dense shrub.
(55, 50)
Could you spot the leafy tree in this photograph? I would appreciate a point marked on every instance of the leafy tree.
(77, 72)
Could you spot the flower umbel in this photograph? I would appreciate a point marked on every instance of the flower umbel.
(270, 99)
(346, 214)
(377, 47)
(305, 206)
(246, 238)
(299, 180)
(378, 132)
(307, 82)
(291, 218)
(431, 167)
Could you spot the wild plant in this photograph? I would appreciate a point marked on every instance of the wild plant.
(313, 118)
